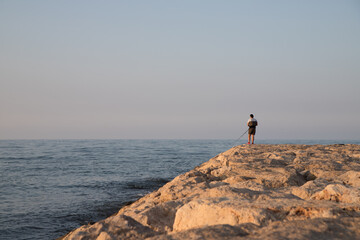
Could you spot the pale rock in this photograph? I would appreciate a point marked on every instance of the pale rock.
(213, 232)
(308, 189)
(216, 211)
(351, 178)
(249, 192)
(104, 236)
(114, 227)
(338, 193)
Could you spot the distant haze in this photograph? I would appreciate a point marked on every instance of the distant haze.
(179, 69)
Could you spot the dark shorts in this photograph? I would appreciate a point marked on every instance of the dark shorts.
(252, 130)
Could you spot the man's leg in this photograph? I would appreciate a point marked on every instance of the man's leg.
(253, 138)
(249, 138)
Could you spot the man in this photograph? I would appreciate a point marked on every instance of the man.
(252, 123)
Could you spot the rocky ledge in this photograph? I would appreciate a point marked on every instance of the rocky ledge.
(249, 192)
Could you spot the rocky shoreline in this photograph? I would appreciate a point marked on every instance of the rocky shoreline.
(249, 192)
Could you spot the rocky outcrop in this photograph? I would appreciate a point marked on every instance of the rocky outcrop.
(249, 192)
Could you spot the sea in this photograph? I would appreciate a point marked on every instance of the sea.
(50, 187)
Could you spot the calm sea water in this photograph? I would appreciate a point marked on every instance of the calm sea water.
(49, 187)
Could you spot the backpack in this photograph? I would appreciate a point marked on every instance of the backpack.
(252, 123)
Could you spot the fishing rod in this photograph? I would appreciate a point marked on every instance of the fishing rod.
(240, 137)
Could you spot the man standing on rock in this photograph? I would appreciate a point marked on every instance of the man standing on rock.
(252, 123)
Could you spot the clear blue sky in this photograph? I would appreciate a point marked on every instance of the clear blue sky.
(179, 69)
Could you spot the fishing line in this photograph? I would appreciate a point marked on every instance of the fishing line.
(240, 137)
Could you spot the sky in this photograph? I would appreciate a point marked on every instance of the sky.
(190, 69)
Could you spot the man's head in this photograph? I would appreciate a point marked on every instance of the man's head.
(251, 115)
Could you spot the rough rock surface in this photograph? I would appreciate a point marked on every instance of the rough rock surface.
(249, 192)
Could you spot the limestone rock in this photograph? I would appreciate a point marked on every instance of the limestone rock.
(249, 192)
(351, 178)
(115, 227)
(308, 189)
(338, 193)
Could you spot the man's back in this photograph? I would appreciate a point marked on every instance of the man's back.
(252, 122)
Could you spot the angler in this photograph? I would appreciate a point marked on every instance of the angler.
(252, 123)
